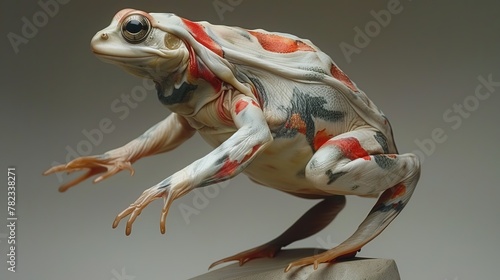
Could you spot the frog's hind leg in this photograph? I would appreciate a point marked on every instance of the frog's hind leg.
(310, 223)
(360, 163)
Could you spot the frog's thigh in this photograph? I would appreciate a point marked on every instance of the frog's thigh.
(356, 163)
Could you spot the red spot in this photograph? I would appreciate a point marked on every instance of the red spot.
(240, 105)
(341, 76)
(320, 138)
(279, 44)
(198, 32)
(350, 147)
(222, 112)
(397, 190)
(296, 122)
(227, 169)
(249, 155)
(391, 193)
(196, 67)
(230, 166)
(367, 158)
(384, 197)
(198, 70)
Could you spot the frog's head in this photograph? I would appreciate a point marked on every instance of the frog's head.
(134, 42)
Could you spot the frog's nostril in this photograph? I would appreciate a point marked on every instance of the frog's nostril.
(104, 36)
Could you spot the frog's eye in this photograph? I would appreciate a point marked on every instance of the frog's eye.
(135, 28)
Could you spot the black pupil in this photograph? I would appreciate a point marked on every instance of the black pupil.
(134, 26)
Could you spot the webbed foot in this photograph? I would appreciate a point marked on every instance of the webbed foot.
(95, 165)
(324, 257)
(267, 250)
(163, 189)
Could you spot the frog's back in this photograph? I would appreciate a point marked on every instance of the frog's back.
(284, 69)
(242, 58)
(293, 108)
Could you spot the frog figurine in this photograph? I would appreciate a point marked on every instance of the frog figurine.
(273, 106)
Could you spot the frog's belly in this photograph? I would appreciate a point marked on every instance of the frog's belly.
(281, 166)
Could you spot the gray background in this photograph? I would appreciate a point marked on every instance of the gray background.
(426, 60)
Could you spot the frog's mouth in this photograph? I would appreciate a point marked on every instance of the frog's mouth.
(114, 58)
(135, 65)
(117, 53)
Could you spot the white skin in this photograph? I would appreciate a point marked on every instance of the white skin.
(273, 106)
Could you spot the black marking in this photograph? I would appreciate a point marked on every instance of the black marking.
(314, 73)
(313, 163)
(178, 95)
(261, 91)
(307, 107)
(316, 69)
(221, 160)
(384, 161)
(244, 33)
(397, 206)
(382, 140)
(165, 183)
(333, 176)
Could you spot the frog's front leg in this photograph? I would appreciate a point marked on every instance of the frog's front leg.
(361, 163)
(225, 162)
(162, 137)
